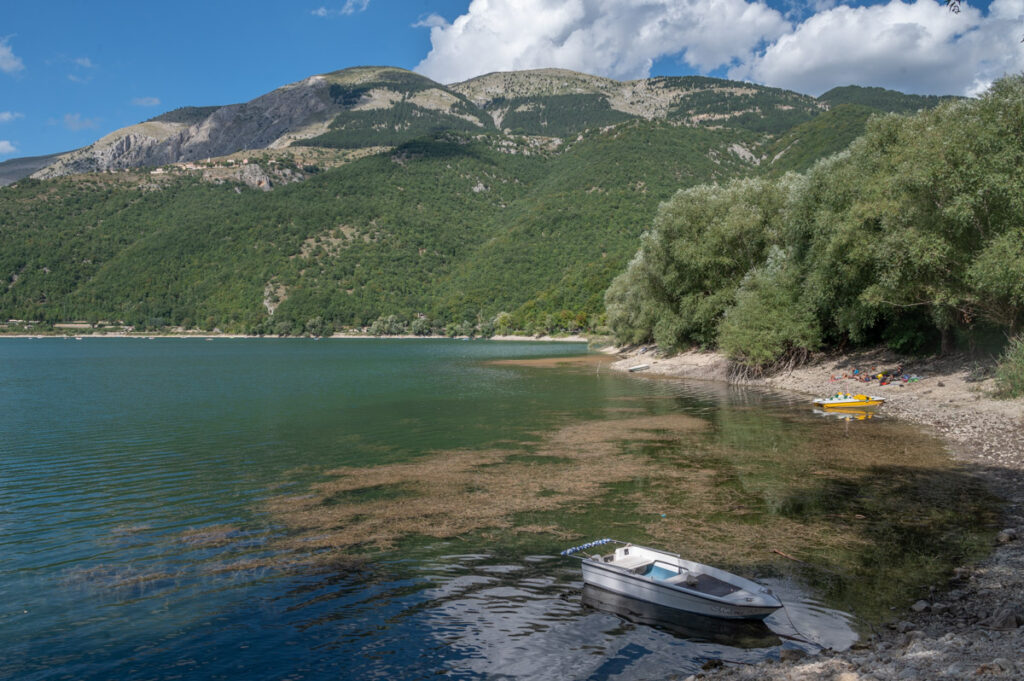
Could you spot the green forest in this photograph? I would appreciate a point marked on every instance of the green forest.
(913, 237)
(454, 228)
(461, 229)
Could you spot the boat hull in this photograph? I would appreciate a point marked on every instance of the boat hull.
(738, 633)
(667, 595)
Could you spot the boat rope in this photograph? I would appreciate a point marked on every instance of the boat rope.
(802, 638)
(590, 544)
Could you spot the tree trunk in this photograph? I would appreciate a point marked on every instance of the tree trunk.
(947, 340)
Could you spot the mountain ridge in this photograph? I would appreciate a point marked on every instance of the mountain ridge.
(343, 109)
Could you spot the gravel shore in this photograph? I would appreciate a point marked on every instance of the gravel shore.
(969, 628)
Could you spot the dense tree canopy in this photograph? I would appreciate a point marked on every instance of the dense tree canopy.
(914, 236)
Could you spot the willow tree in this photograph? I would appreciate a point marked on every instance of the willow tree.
(771, 319)
(690, 264)
(914, 233)
(941, 204)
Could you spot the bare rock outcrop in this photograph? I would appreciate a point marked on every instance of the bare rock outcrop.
(228, 129)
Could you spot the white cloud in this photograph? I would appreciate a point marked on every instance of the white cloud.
(75, 122)
(8, 116)
(350, 7)
(146, 101)
(431, 21)
(81, 66)
(920, 47)
(353, 6)
(917, 46)
(616, 38)
(9, 63)
(6, 148)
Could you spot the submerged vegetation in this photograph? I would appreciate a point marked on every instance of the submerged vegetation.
(868, 522)
(913, 237)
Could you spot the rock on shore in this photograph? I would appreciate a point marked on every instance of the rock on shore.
(971, 628)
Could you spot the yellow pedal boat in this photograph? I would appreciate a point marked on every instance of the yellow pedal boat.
(848, 401)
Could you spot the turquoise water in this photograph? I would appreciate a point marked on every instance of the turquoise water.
(135, 544)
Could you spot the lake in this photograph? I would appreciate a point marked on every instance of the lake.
(325, 509)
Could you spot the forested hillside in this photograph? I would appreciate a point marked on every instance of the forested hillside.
(507, 202)
(914, 237)
(454, 228)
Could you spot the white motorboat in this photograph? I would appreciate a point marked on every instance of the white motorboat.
(668, 580)
(737, 633)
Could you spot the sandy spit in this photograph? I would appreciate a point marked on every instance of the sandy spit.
(972, 627)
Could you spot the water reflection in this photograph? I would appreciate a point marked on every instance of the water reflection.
(531, 619)
(849, 414)
(526, 621)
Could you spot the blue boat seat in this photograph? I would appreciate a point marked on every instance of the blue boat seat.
(659, 570)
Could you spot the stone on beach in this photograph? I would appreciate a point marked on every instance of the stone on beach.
(1004, 619)
(1006, 536)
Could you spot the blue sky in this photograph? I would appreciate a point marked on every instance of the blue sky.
(79, 70)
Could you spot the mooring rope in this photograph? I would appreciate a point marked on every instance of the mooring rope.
(805, 639)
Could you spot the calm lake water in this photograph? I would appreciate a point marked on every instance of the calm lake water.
(138, 538)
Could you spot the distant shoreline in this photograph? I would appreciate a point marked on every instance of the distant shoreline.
(336, 336)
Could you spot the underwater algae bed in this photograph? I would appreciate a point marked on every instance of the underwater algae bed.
(451, 493)
(868, 514)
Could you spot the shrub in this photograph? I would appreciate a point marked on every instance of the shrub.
(420, 326)
(391, 325)
(769, 321)
(317, 327)
(1010, 372)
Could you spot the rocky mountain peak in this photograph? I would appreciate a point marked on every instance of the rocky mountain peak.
(381, 106)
